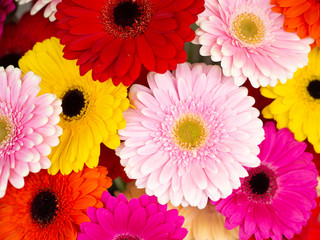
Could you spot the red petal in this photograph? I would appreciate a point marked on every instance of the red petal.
(145, 53)
(94, 5)
(111, 51)
(161, 65)
(163, 25)
(85, 29)
(84, 42)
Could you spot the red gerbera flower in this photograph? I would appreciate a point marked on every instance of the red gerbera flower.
(115, 37)
(17, 39)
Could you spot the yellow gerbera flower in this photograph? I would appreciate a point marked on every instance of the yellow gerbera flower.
(296, 103)
(92, 111)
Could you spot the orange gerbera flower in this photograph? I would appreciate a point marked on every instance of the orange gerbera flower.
(302, 16)
(51, 207)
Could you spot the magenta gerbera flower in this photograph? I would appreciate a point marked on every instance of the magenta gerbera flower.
(276, 199)
(248, 38)
(6, 7)
(138, 219)
(28, 126)
(190, 135)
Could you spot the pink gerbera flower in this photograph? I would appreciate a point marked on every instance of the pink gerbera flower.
(6, 7)
(28, 126)
(190, 135)
(248, 38)
(138, 219)
(50, 7)
(276, 199)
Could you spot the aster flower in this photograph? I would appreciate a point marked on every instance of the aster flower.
(115, 38)
(50, 7)
(91, 111)
(301, 16)
(6, 7)
(190, 135)
(17, 39)
(248, 39)
(52, 207)
(111, 161)
(201, 224)
(276, 199)
(296, 104)
(28, 126)
(137, 219)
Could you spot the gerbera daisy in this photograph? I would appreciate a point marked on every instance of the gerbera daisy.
(111, 161)
(50, 7)
(115, 37)
(137, 219)
(296, 104)
(202, 224)
(91, 111)
(301, 16)
(248, 39)
(6, 7)
(17, 39)
(51, 207)
(190, 135)
(28, 126)
(276, 199)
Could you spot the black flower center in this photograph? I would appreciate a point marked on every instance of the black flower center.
(314, 89)
(126, 13)
(44, 207)
(259, 183)
(10, 59)
(73, 102)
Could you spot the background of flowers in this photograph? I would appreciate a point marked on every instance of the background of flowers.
(115, 169)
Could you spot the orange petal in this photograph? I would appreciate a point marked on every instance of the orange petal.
(85, 202)
(314, 29)
(302, 31)
(312, 15)
(294, 22)
(290, 3)
(295, 11)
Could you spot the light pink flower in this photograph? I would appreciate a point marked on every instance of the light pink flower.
(50, 7)
(190, 135)
(248, 38)
(28, 126)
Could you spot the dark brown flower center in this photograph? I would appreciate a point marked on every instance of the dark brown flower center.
(259, 183)
(73, 102)
(44, 207)
(9, 59)
(126, 14)
(127, 236)
(124, 19)
(314, 89)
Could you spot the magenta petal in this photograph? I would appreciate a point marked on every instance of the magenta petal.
(94, 231)
(106, 221)
(121, 216)
(92, 214)
(263, 218)
(287, 211)
(137, 220)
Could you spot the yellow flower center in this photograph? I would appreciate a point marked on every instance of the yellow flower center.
(248, 28)
(189, 132)
(5, 129)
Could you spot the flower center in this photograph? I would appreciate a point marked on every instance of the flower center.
(314, 89)
(261, 184)
(189, 132)
(73, 103)
(126, 19)
(127, 236)
(10, 59)
(248, 28)
(5, 130)
(44, 207)
(126, 14)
